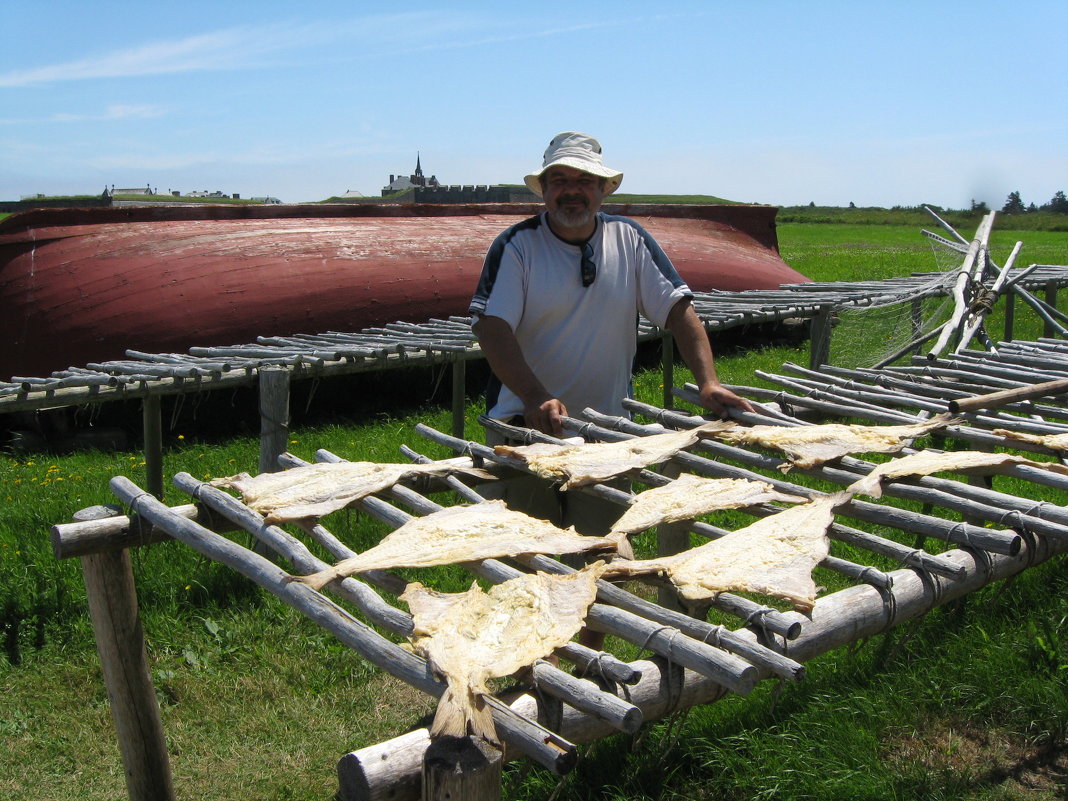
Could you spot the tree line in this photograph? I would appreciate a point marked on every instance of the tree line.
(1014, 204)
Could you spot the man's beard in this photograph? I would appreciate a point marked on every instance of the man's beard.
(570, 216)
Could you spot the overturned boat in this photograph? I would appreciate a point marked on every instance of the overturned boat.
(79, 286)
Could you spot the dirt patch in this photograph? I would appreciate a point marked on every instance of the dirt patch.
(986, 758)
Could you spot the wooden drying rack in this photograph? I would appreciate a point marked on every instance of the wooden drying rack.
(692, 661)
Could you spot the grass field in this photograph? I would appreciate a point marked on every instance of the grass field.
(969, 703)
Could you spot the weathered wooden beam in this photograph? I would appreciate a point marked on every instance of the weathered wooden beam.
(994, 400)
(274, 416)
(465, 768)
(152, 430)
(120, 643)
(459, 396)
(819, 347)
(667, 364)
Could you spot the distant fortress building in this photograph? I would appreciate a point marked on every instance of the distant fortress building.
(398, 183)
(417, 188)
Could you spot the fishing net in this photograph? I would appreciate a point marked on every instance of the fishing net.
(867, 335)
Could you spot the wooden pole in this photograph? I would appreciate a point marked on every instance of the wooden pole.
(1051, 300)
(671, 538)
(1010, 314)
(819, 349)
(667, 365)
(120, 642)
(462, 769)
(998, 399)
(975, 259)
(459, 384)
(152, 429)
(274, 416)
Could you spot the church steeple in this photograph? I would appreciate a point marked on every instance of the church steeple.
(418, 168)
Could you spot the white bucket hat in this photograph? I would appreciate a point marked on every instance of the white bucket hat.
(580, 151)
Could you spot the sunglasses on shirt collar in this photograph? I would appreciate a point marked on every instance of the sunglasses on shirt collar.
(587, 267)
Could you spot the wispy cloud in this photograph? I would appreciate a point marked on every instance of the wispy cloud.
(117, 111)
(239, 47)
(198, 52)
(252, 46)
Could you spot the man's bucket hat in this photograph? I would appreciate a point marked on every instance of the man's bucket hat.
(580, 151)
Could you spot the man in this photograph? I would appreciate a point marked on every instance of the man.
(557, 303)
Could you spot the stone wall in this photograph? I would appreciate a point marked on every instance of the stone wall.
(462, 194)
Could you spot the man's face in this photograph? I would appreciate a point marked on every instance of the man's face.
(571, 196)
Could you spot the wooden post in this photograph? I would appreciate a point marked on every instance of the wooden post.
(1049, 330)
(917, 318)
(274, 416)
(152, 429)
(461, 769)
(667, 367)
(671, 538)
(459, 383)
(1009, 299)
(820, 337)
(120, 642)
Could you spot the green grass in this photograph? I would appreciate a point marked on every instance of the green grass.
(259, 703)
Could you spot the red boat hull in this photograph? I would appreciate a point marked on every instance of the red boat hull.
(84, 285)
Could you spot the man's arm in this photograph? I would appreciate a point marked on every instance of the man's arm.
(689, 333)
(498, 342)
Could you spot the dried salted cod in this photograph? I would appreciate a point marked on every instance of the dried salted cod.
(689, 495)
(590, 462)
(463, 534)
(924, 463)
(810, 446)
(315, 490)
(773, 556)
(1055, 442)
(474, 636)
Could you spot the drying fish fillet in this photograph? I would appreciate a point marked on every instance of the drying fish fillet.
(590, 462)
(474, 636)
(1055, 442)
(463, 534)
(689, 495)
(926, 462)
(315, 490)
(773, 556)
(810, 446)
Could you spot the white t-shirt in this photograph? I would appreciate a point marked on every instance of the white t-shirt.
(579, 341)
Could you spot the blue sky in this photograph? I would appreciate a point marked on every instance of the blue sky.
(889, 103)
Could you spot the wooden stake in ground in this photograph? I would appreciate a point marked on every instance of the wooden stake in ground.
(465, 768)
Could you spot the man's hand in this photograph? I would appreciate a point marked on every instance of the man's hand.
(546, 416)
(689, 333)
(717, 399)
